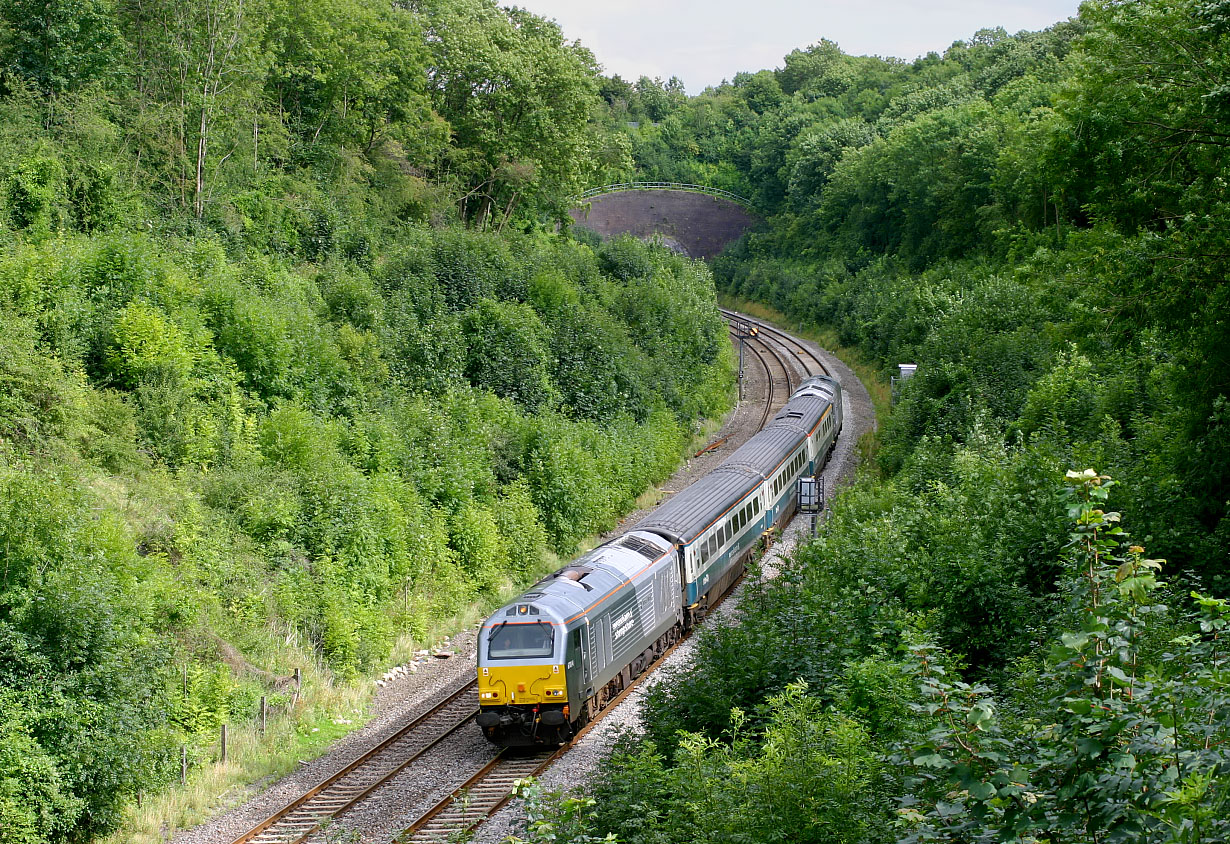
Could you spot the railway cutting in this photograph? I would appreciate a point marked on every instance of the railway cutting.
(776, 364)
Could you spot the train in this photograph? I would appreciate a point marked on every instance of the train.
(551, 660)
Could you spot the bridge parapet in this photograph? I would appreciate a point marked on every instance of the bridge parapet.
(619, 187)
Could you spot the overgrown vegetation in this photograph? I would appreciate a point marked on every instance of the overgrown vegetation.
(974, 649)
(293, 364)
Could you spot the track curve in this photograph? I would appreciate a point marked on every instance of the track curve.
(816, 367)
(302, 819)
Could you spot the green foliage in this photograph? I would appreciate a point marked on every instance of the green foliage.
(807, 775)
(34, 806)
(1038, 221)
(147, 347)
(292, 362)
(62, 45)
(506, 353)
(516, 96)
(552, 818)
(200, 450)
(1123, 746)
(34, 195)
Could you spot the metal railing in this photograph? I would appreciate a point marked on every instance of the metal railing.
(679, 186)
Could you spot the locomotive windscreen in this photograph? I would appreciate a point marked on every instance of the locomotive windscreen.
(519, 640)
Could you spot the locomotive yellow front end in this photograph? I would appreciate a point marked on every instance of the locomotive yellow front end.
(522, 684)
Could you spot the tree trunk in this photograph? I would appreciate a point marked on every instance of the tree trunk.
(201, 148)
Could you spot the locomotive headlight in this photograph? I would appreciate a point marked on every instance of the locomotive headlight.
(489, 695)
(555, 692)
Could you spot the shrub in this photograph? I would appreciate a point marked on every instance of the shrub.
(35, 194)
(147, 347)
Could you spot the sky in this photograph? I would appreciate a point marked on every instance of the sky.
(705, 41)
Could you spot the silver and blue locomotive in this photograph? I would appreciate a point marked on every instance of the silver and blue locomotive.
(552, 659)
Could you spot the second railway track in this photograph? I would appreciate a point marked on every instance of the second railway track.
(790, 345)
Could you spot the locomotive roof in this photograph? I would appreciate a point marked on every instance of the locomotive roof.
(819, 384)
(587, 580)
(684, 517)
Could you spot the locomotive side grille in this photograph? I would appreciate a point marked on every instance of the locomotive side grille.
(642, 546)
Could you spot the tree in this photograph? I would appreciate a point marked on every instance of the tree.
(352, 73)
(518, 97)
(200, 66)
(814, 155)
(62, 45)
(507, 354)
(822, 70)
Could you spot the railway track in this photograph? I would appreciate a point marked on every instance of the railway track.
(478, 798)
(492, 785)
(301, 817)
(489, 789)
(790, 345)
(768, 372)
(780, 346)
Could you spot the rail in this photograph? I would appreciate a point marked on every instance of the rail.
(303, 815)
(676, 186)
(455, 816)
(782, 338)
(467, 806)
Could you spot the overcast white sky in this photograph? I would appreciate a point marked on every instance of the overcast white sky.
(705, 41)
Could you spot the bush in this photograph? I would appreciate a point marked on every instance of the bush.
(35, 194)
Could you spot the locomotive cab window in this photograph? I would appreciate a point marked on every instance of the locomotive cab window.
(513, 640)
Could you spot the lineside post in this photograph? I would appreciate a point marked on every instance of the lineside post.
(744, 331)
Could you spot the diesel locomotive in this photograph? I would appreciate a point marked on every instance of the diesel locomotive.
(552, 659)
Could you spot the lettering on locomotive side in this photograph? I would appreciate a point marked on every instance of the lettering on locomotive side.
(622, 625)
